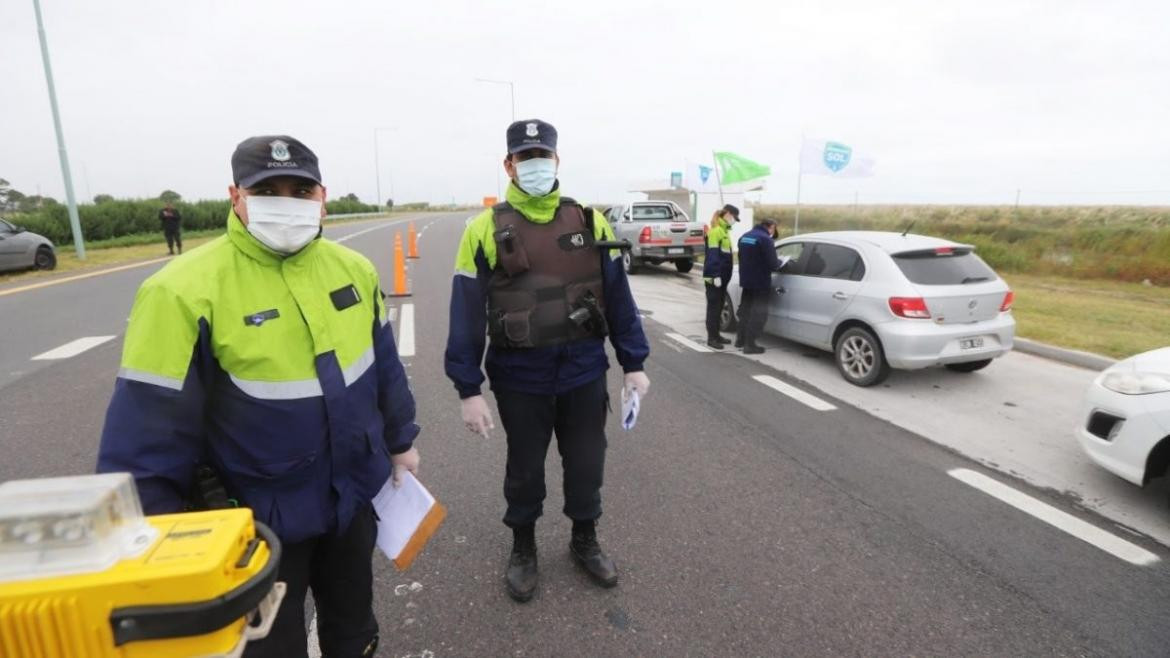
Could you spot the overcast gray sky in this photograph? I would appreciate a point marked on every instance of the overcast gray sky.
(956, 101)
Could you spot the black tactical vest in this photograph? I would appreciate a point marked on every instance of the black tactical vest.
(546, 288)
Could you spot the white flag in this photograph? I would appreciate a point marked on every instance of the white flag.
(700, 178)
(827, 158)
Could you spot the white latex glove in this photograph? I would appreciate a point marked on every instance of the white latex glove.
(476, 415)
(718, 282)
(637, 381)
(406, 461)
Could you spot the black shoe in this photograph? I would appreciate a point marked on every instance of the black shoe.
(738, 342)
(171, 252)
(714, 343)
(753, 349)
(522, 575)
(725, 341)
(587, 553)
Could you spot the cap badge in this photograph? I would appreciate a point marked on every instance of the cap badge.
(532, 131)
(279, 150)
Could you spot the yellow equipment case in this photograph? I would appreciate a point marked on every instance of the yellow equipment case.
(83, 573)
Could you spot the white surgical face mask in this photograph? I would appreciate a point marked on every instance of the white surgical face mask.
(536, 175)
(283, 224)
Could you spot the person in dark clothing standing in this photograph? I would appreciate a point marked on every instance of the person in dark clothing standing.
(717, 264)
(538, 280)
(757, 262)
(171, 225)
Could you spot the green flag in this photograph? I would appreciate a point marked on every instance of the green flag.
(738, 169)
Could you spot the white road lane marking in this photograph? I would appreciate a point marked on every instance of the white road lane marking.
(72, 348)
(687, 342)
(794, 393)
(366, 230)
(313, 647)
(406, 330)
(1087, 532)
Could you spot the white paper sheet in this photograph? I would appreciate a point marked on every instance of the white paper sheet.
(630, 405)
(400, 511)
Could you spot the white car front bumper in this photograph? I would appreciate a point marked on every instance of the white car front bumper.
(1119, 431)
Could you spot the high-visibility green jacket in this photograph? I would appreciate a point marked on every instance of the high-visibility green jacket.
(281, 372)
(717, 262)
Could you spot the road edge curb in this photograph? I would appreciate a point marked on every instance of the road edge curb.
(1086, 360)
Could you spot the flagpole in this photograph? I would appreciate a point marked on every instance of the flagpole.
(718, 178)
(796, 223)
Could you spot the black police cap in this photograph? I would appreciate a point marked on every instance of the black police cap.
(531, 134)
(267, 156)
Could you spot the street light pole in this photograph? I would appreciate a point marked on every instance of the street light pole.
(511, 87)
(74, 221)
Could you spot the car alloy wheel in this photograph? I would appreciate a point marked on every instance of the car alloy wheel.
(857, 357)
(628, 263)
(727, 320)
(45, 259)
(860, 357)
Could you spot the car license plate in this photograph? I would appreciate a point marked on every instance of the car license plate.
(970, 343)
(676, 251)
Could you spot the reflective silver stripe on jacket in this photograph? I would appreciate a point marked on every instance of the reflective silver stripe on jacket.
(151, 378)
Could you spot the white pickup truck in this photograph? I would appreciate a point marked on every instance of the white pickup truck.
(658, 231)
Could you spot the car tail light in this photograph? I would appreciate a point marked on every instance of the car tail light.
(1008, 300)
(944, 251)
(909, 307)
(644, 236)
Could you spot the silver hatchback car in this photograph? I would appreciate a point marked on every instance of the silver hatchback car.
(21, 249)
(887, 300)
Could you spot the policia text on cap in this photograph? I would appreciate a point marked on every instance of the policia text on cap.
(267, 355)
(536, 276)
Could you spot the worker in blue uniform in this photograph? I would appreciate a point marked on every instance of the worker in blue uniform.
(533, 274)
(757, 262)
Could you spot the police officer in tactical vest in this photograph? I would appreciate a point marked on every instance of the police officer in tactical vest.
(266, 355)
(535, 277)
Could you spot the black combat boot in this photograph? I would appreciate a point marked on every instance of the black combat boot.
(587, 553)
(721, 339)
(752, 348)
(715, 343)
(522, 575)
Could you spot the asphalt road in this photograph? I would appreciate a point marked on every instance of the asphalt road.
(743, 520)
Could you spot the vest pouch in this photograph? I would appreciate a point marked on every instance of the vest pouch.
(510, 254)
(582, 300)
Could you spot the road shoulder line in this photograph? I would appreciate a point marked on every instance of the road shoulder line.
(800, 396)
(1058, 519)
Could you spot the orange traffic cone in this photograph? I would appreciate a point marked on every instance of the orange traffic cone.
(412, 240)
(399, 289)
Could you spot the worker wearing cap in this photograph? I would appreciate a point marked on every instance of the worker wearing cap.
(757, 262)
(267, 355)
(530, 278)
(717, 264)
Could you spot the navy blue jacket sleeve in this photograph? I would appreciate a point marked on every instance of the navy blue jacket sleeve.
(621, 313)
(395, 399)
(154, 430)
(769, 247)
(467, 331)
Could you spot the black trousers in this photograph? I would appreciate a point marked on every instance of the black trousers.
(715, 296)
(578, 419)
(174, 237)
(753, 313)
(339, 571)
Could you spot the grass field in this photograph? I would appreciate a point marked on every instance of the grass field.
(1106, 317)
(1116, 243)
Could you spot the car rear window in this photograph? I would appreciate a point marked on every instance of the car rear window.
(944, 267)
(652, 213)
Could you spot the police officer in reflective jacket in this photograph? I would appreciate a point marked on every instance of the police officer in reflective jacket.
(533, 279)
(266, 354)
(717, 265)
